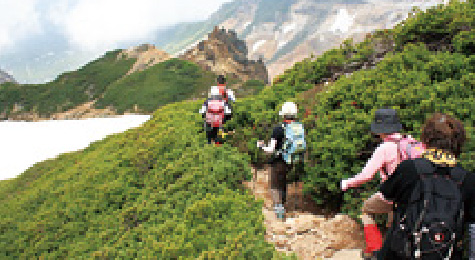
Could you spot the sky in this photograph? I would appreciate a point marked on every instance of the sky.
(26, 143)
(95, 25)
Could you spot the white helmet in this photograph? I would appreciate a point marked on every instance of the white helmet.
(288, 109)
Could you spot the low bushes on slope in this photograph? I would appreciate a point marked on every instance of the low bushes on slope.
(413, 79)
(153, 192)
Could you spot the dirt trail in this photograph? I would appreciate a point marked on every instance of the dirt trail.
(306, 231)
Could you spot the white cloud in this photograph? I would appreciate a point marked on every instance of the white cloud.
(343, 21)
(18, 19)
(96, 25)
(99, 24)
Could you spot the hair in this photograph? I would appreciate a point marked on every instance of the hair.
(290, 117)
(221, 79)
(444, 132)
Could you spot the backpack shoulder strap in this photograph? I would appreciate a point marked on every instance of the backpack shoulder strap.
(424, 166)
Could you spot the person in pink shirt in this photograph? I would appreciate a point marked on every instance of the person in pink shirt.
(384, 160)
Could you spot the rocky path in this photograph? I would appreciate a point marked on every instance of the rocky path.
(306, 232)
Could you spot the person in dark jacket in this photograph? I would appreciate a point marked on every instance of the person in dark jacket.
(444, 137)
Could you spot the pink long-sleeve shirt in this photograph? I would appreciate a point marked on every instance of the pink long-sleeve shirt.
(384, 159)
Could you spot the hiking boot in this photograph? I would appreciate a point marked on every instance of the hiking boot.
(280, 212)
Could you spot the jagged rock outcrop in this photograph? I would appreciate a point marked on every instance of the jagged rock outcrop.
(146, 54)
(224, 53)
(5, 77)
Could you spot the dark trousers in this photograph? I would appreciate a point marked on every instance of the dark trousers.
(278, 181)
(211, 133)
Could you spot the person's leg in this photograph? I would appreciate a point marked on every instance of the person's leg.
(373, 237)
(274, 184)
(282, 179)
(208, 131)
(214, 134)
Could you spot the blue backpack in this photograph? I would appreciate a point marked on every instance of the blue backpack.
(293, 147)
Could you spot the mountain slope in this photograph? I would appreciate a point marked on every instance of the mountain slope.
(151, 192)
(159, 192)
(170, 81)
(284, 32)
(147, 75)
(5, 77)
(65, 92)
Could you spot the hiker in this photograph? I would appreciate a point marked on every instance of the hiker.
(227, 94)
(287, 144)
(437, 178)
(214, 111)
(384, 160)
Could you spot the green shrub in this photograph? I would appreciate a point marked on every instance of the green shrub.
(170, 81)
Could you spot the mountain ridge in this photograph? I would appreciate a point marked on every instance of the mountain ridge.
(5, 77)
(284, 32)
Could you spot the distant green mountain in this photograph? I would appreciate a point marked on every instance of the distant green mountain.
(170, 81)
(66, 91)
(106, 81)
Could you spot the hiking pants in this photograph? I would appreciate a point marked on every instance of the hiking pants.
(211, 133)
(278, 181)
(376, 205)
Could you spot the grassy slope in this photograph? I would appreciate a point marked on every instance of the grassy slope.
(152, 192)
(170, 81)
(69, 89)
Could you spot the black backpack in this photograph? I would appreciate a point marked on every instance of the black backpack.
(431, 223)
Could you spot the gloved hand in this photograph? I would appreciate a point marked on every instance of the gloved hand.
(344, 185)
(260, 144)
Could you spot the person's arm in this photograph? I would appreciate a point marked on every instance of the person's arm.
(392, 188)
(203, 109)
(227, 110)
(374, 164)
(231, 95)
(277, 133)
(269, 148)
(470, 213)
(471, 230)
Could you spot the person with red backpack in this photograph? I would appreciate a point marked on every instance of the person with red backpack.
(227, 94)
(214, 111)
(434, 198)
(394, 149)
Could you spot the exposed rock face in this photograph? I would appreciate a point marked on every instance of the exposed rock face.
(306, 232)
(287, 31)
(4, 77)
(224, 53)
(147, 55)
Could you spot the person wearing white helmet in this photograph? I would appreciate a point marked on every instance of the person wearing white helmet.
(214, 111)
(279, 167)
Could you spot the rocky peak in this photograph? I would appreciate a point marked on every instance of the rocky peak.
(224, 53)
(146, 54)
(5, 77)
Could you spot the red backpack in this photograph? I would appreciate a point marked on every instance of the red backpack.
(223, 92)
(215, 112)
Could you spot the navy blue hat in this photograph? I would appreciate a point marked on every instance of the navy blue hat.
(386, 121)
